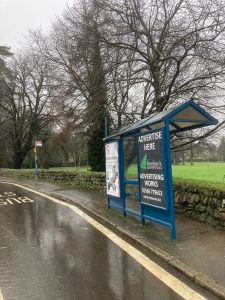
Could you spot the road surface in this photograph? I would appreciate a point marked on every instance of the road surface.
(51, 250)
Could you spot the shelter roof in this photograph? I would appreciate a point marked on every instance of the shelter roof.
(185, 116)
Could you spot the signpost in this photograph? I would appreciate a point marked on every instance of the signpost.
(37, 144)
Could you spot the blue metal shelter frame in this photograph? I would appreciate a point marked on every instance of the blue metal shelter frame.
(186, 116)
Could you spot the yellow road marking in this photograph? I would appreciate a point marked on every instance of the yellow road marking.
(172, 282)
(1, 297)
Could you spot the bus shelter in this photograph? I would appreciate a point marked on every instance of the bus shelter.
(152, 188)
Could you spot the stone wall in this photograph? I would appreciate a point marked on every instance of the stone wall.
(88, 181)
(201, 203)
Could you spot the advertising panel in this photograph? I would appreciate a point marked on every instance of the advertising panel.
(151, 173)
(112, 169)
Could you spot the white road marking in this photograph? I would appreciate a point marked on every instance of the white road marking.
(1, 297)
(172, 282)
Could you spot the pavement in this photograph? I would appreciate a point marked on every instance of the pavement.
(198, 252)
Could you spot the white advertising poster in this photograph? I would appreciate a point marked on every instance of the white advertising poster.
(112, 169)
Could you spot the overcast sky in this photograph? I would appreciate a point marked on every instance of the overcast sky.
(18, 16)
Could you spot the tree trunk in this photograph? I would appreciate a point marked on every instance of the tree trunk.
(18, 159)
(183, 158)
(191, 155)
(20, 151)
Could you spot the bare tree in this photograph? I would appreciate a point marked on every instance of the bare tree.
(221, 149)
(74, 46)
(27, 102)
(178, 45)
(4, 53)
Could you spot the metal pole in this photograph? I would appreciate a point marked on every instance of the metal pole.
(35, 161)
(106, 126)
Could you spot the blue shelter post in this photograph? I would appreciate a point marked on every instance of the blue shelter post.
(170, 182)
(121, 167)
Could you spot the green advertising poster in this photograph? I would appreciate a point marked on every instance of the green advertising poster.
(151, 173)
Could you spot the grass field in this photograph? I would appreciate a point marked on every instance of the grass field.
(207, 172)
(210, 172)
(70, 169)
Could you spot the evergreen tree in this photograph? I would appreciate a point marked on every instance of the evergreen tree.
(97, 106)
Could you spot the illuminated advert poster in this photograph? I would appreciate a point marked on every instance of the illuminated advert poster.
(112, 169)
(151, 173)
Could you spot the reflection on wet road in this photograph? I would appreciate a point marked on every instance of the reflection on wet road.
(48, 252)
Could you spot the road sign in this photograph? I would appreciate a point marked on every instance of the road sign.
(38, 143)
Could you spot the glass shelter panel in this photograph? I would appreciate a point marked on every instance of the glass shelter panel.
(131, 174)
(130, 157)
(132, 197)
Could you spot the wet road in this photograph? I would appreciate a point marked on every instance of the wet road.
(49, 252)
